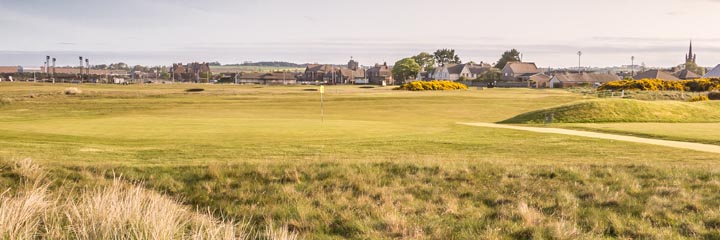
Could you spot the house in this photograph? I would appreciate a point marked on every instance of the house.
(8, 69)
(540, 80)
(332, 74)
(714, 73)
(192, 72)
(656, 74)
(454, 72)
(380, 74)
(274, 78)
(519, 71)
(316, 72)
(687, 75)
(351, 76)
(564, 80)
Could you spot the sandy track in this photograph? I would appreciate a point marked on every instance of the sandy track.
(667, 143)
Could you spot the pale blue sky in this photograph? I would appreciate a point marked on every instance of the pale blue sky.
(548, 32)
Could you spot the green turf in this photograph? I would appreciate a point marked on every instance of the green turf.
(689, 132)
(624, 110)
(382, 164)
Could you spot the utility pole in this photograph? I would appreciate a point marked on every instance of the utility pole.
(47, 65)
(43, 72)
(81, 68)
(632, 66)
(52, 74)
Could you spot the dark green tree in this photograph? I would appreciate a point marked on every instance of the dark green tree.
(513, 55)
(493, 74)
(444, 56)
(405, 68)
(425, 60)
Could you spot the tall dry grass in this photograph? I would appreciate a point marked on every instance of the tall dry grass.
(116, 211)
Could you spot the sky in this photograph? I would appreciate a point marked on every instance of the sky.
(548, 32)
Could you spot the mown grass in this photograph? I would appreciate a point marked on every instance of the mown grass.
(624, 110)
(689, 132)
(383, 164)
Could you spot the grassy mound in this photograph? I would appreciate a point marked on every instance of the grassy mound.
(624, 110)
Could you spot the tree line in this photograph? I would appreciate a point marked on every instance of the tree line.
(409, 67)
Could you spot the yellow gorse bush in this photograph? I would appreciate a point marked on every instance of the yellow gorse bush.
(432, 86)
(699, 98)
(697, 85)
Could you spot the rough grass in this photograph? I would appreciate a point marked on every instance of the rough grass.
(624, 110)
(32, 210)
(488, 201)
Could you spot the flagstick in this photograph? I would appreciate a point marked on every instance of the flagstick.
(322, 107)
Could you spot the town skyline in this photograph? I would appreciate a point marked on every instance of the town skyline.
(137, 32)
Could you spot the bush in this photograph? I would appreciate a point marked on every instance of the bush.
(697, 85)
(714, 96)
(699, 98)
(194, 90)
(431, 86)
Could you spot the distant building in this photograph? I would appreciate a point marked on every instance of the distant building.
(519, 71)
(656, 74)
(687, 75)
(714, 73)
(380, 74)
(564, 80)
(274, 78)
(454, 72)
(690, 57)
(192, 72)
(316, 72)
(540, 80)
(331, 74)
(9, 69)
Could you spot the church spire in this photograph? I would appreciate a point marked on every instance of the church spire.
(690, 57)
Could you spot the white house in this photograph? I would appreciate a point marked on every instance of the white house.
(454, 72)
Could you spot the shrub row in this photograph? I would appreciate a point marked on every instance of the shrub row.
(431, 86)
(697, 85)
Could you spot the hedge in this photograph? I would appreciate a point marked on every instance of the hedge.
(697, 85)
(431, 86)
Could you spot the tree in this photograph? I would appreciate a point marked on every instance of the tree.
(425, 60)
(491, 75)
(119, 66)
(405, 69)
(443, 56)
(691, 66)
(513, 55)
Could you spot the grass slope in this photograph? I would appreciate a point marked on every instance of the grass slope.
(624, 110)
(689, 132)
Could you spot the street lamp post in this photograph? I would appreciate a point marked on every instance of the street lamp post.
(579, 53)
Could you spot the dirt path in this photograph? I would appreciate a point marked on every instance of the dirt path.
(675, 144)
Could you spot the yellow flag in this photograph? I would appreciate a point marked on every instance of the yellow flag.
(322, 89)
